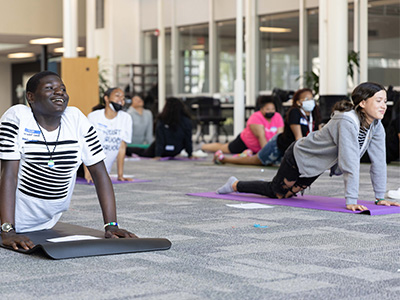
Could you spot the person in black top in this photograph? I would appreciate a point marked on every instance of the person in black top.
(301, 119)
(173, 132)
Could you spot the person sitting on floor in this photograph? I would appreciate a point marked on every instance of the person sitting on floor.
(173, 132)
(261, 127)
(41, 150)
(114, 128)
(354, 128)
(301, 119)
(142, 122)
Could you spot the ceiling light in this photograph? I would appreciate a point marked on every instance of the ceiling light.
(21, 55)
(275, 29)
(61, 49)
(45, 41)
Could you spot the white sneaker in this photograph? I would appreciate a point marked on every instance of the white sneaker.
(199, 153)
(183, 153)
(394, 194)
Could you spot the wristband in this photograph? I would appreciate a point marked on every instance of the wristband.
(378, 200)
(110, 224)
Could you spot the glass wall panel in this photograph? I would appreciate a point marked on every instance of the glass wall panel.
(279, 51)
(313, 63)
(226, 55)
(150, 55)
(384, 42)
(193, 59)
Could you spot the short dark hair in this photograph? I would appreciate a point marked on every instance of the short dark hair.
(262, 100)
(34, 81)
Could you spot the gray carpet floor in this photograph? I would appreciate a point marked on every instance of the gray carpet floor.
(216, 252)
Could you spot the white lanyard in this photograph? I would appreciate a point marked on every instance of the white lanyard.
(309, 122)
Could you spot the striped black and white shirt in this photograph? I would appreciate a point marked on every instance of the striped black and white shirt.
(43, 193)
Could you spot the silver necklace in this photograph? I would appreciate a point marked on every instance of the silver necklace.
(50, 163)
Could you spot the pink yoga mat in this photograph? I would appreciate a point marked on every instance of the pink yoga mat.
(306, 201)
(80, 180)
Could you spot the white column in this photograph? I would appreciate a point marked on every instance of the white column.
(238, 110)
(161, 55)
(70, 27)
(212, 49)
(333, 47)
(303, 38)
(90, 27)
(251, 52)
(363, 36)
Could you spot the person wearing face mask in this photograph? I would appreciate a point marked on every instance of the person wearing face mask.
(114, 128)
(260, 128)
(302, 118)
(355, 128)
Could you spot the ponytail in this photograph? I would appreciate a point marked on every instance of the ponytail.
(343, 105)
(346, 105)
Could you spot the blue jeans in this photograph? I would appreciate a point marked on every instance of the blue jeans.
(270, 153)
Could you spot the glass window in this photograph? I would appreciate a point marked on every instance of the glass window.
(313, 63)
(193, 59)
(226, 49)
(150, 55)
(279, 51)
(384, 42)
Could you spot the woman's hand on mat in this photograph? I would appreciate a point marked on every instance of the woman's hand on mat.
(14, 240)
(88, 178)
(355, 207)
(113, 232)
(388, 203)
(122, 178)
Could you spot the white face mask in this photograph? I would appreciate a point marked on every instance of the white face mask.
(308, 105)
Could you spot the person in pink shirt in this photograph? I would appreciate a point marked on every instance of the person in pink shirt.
(260, 128)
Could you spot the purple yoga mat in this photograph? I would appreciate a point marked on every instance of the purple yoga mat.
(181, 158)
(80, 180)
(306, 201)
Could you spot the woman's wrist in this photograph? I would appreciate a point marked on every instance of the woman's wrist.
(378, 200)
(112, 224)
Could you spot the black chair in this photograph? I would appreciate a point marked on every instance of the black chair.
(282, 96)
(326, 103)
(209, 112)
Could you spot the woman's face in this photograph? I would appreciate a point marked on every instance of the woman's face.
(117, 96)
(137, 102)
(304, 97)
(375, 107)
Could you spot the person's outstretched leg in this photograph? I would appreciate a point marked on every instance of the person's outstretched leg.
(228, 187)
(247, 160)
(213, 147)
(259, 187)
(148, 152)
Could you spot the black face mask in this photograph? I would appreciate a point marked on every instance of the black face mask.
(269, 115)
(115, 106)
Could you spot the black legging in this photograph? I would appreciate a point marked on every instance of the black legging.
(288, 170)
(148, 152)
